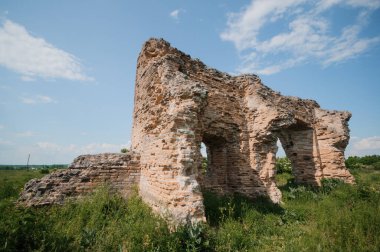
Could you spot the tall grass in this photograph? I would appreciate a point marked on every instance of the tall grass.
(336, 217)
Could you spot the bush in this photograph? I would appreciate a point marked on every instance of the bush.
(283, 165)
(301, 193)
(355, 162)
(204, 164)
(352, 162)
(44, 171)
(376, 166)
(124, 150)
(329, 184)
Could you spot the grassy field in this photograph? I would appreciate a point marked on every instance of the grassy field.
(336, 217)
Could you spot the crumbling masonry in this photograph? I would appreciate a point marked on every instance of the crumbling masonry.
(180, 103)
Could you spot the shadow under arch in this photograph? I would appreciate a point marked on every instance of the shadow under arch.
(301, 147)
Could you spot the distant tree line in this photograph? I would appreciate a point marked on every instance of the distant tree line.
(283, 164)
(359, 162)
(24, 167)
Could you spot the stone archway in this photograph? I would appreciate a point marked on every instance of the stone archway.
(180, 103)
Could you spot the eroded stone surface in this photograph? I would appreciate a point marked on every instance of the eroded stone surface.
(180, 103)
(119, 171)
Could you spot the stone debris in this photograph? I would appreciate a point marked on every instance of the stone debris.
(180, 103)
(119, 171)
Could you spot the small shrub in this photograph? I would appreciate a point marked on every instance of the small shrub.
(292, 216)
(204, 164)
(301, 192)
(283, 165)
(124, 150)
(352, 162)
(194, 237)
(330, 184)
(44, 171)
(376, 166)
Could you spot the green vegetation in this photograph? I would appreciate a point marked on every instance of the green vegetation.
(283, 165)
(357, 162)
(335, 217)
(204, 165)
(33, 167)
(124, 150)
(12, 182)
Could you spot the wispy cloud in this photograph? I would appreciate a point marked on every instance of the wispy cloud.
(175, 14)
(27, 78)
(37, 99)
(27, 133)
(33, 57)
(370, 4)
(369, 143)
(91, 148)
(364, 146)
(307, 34)
(47, 152)
(2, 127)
(4, 87)
(5, 142)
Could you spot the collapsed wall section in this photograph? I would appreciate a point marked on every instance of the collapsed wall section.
(118, 171)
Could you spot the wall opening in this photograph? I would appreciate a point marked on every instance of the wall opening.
(298, 142)
(280, 150)
(284, 168)
(215, 176)
(204, 162)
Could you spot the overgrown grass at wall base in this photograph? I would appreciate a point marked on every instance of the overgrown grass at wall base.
(335, 217)
(102, 222)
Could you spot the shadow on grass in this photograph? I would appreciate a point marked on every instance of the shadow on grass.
(218, 208)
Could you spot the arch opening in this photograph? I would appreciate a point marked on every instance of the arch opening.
(204, 159)
(300, 146)
(284, 167)
(213, 168)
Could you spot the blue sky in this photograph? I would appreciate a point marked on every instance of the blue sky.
(68, 67)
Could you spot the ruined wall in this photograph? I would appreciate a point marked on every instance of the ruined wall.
(119, 171)
(180, 103)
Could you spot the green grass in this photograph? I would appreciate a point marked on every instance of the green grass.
(12, 181)
(336, 217)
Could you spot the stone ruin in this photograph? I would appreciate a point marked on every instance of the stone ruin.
(180, 103)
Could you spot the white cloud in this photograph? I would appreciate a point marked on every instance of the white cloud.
(306, 35)
(27, 133)
(37, 99)
(243, 27)
(91, 148)
(175, 14)
(27, 78)
(364, 146)
(5, 142)
(47, 152)
(48, 145)
(369, 143)
(2, 127)
(33, 57)
(370, 4)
